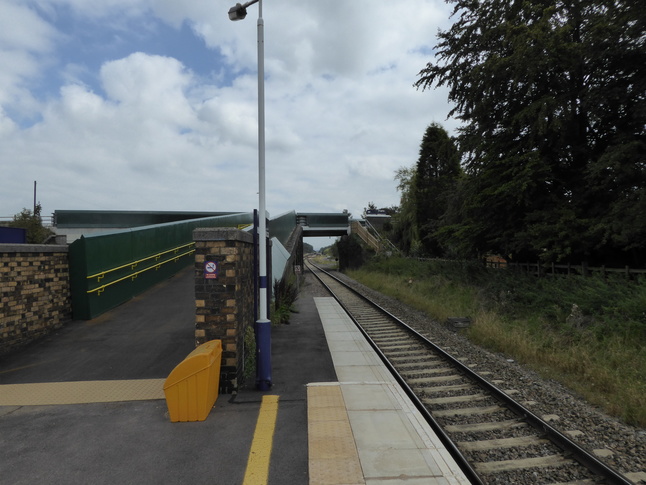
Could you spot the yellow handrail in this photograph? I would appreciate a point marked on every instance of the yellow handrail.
(132, 264)
(132, 276)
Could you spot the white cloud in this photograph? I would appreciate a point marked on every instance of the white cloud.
(7, 125)
(21, 29)
(25, 40)
(341, 111)
(94, 9)
(152, 87)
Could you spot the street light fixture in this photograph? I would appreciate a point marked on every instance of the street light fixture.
(238, 12)
(263, 324)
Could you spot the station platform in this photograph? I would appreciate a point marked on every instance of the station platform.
(86, 406)
(364, 429)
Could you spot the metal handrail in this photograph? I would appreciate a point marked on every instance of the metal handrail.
(382, 239)
(450, 446)
(47, 221)
(132, 264)
(365, 235)
(132, 276)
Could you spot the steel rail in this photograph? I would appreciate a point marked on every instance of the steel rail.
(572, 449)
(453, 450)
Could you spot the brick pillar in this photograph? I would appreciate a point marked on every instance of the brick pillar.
(224, 303)
(34, 293)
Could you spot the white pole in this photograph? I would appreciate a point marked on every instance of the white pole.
(261, 169)
(263, 325)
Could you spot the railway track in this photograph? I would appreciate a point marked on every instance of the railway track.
(494, 438)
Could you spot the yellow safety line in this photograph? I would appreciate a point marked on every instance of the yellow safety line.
(26, 366)
(80, 392)
(257, 472)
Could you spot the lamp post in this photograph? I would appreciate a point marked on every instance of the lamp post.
(263, 324)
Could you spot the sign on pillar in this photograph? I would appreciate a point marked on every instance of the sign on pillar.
(211, 270)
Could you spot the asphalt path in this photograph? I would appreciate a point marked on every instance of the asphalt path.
(135, 442)
(142, 339)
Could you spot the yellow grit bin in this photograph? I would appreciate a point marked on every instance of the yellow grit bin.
(191, 389)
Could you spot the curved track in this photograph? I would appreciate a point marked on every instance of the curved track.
(494, 438)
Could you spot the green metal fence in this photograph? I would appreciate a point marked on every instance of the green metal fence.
(109, 269)
(125, 219)
(282, 226)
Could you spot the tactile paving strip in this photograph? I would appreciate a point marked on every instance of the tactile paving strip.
(333, 457)
(83, 392)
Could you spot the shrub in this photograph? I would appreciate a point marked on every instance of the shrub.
(285, 294)
(249, 353)
(36, 233)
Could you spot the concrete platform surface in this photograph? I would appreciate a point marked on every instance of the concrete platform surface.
(84, 405)
(394, 444)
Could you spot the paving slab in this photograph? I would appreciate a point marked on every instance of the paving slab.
(394, 444)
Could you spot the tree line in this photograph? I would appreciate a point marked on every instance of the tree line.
(549, 161)
(32, 222)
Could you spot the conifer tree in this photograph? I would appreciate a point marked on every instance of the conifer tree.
(552, 98)
(437, 169)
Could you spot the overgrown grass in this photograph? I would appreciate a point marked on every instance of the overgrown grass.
(285, 294)
(249, 353)
(588, 333)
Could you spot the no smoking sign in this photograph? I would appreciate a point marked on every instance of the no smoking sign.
(210, 270)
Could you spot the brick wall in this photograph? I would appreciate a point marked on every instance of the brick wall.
(34, 293)
(224, 306)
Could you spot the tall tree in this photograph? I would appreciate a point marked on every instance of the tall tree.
(437, 169)
(405, 233)
(552, 97)
(351, 252)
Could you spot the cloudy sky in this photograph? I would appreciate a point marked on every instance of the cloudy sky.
(152, 104)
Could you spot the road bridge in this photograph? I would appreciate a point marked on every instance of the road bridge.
(75, 223)
(323, 224)
(115, 255)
